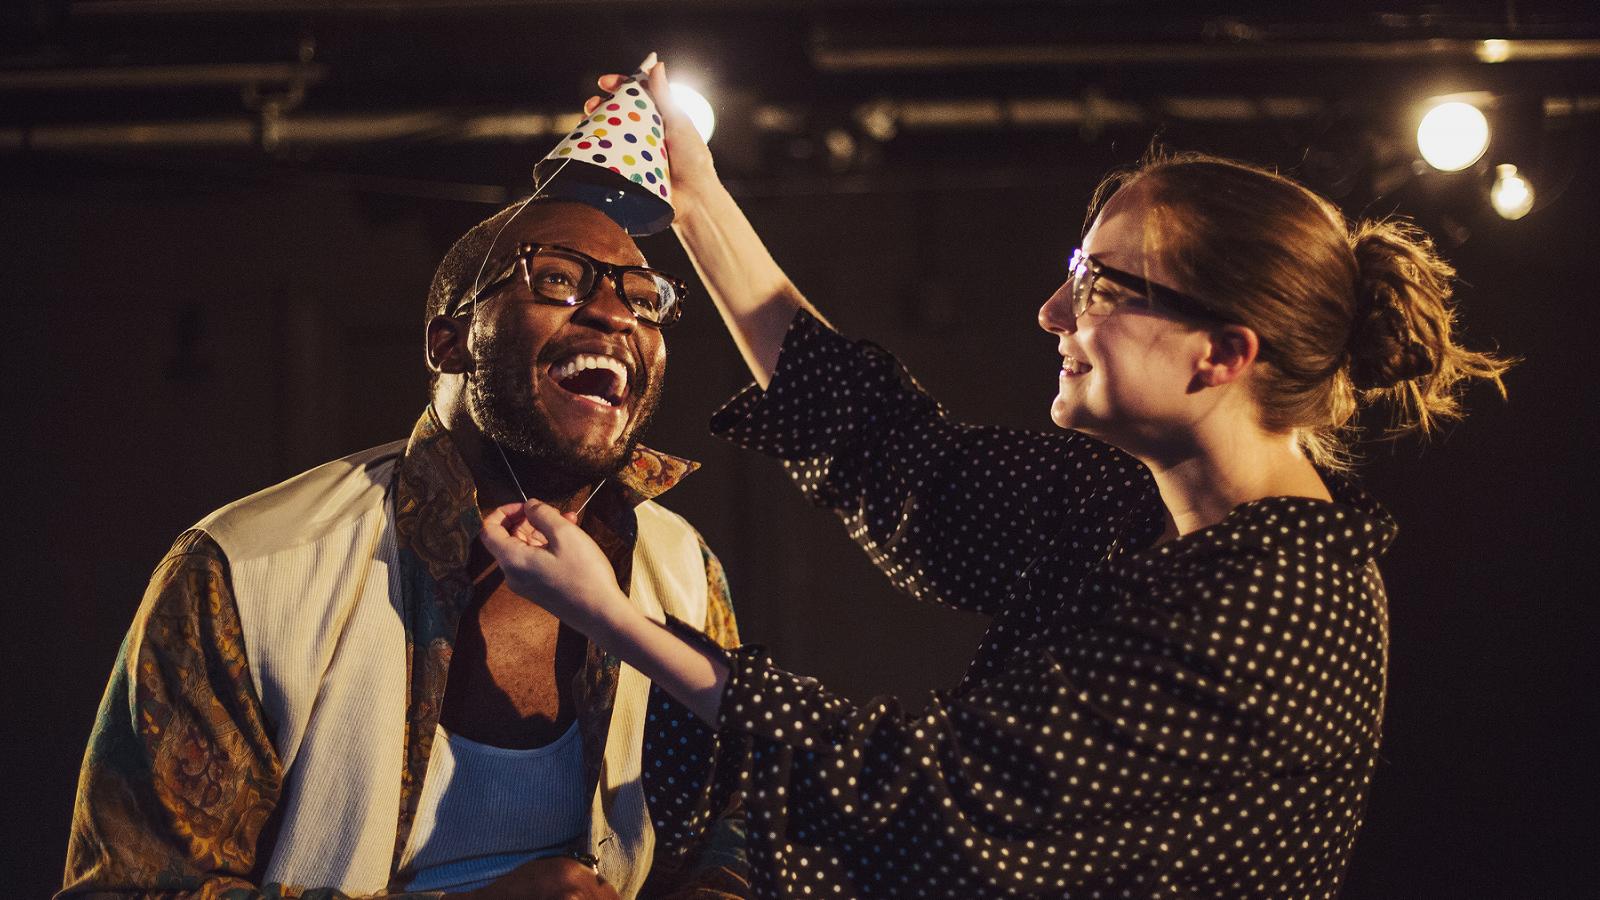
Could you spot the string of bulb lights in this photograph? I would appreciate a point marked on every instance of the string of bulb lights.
(1454, 135)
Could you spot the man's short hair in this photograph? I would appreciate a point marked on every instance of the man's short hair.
(461, 263)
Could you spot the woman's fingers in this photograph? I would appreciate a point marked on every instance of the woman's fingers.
(510, 521)
(496, 534)
(661, 90)
(526, 533)
(548, 521)
(609, 84)
(681, 134)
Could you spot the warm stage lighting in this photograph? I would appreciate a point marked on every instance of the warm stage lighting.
(1512, 195)
(697, 108)
(1494, 50)
(1453, 136)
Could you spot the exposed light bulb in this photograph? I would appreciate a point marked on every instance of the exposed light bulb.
(1512, 195)
(696, 107)
(1453, 136)
(1494, 50)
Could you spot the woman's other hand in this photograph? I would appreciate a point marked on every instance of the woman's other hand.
(693, 174)
(548, 559)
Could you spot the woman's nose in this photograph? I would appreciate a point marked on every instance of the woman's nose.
(1055, 316)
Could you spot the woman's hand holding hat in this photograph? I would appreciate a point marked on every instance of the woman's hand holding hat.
(694, 176)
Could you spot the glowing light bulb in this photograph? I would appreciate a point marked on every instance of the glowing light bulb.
(1512, 195)
(696, 107)
(1494, 50)
(1453, 136)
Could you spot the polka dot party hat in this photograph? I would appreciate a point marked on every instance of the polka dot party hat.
(614, 160)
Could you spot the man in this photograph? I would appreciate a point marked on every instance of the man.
(328, 691)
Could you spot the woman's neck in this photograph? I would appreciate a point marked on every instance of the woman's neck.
(1201, 486)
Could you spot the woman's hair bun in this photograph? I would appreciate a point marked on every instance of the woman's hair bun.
(1402, 287)
(1402, 348)
(1382, 350)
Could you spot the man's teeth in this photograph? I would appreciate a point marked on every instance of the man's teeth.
(585, 361)
(1073, 366)
(590, 361)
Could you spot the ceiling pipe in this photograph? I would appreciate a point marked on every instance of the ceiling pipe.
(298, 130)
(147, 77)
(880, 119)
(831, 56)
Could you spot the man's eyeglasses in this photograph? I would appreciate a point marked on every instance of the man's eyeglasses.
(564, 277)
(1083, 271)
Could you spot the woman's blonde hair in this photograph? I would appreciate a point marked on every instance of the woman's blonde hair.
(1347, 315)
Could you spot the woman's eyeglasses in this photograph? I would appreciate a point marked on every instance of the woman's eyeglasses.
(1084, 270)
(564, 277)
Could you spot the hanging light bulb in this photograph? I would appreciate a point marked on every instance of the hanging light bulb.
(696, 107)
(1512, 195)
(1453, 135)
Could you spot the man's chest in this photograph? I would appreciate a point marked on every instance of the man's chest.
(511, 672)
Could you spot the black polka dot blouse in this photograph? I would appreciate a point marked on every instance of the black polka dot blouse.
(1198, 718)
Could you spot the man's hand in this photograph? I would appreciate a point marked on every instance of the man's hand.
(693, 174)
(552, 878)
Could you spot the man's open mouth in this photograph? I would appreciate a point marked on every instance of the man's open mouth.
(596, 378)
(1071, 365)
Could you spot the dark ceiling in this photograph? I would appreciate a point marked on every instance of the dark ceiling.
(454, 97)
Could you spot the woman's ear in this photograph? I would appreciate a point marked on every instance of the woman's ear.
(447, 345)
(1232, 349)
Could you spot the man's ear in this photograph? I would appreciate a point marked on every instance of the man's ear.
(1233, 348)
(447, 345)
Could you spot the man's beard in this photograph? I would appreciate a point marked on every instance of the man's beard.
(500, 398)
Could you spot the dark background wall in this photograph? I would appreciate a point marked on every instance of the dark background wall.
(181, 333)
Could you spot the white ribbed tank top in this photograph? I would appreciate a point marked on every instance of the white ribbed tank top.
(486, 810)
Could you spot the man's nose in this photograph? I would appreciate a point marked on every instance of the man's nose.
(607, 310)
(1055, 316)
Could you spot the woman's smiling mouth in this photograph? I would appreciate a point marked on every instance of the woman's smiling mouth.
(1071, 366)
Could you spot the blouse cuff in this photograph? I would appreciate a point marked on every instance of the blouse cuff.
(694, 636)
(766, 701)
(827, 389)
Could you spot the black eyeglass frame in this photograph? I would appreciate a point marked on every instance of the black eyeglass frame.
(516, 265)
(1082, 264)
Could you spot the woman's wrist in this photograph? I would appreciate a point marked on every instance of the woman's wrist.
(691, 673)
(694, 198)
(602, 623)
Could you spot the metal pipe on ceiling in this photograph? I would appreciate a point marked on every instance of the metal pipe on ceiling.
(297, 130)
(350, 129)
(147, 77)
(831, 55)
(880, 119)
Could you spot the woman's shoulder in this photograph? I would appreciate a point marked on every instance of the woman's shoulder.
(1277, 548)
(1351, 525)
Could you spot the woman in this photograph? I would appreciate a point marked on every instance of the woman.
(1182, 690)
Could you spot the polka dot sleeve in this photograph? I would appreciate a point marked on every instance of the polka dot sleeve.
(950, 512)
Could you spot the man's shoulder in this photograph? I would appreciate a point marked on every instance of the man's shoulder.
(306, 507)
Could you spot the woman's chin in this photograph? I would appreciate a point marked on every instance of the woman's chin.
(1071, 415)
(1065, 413)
